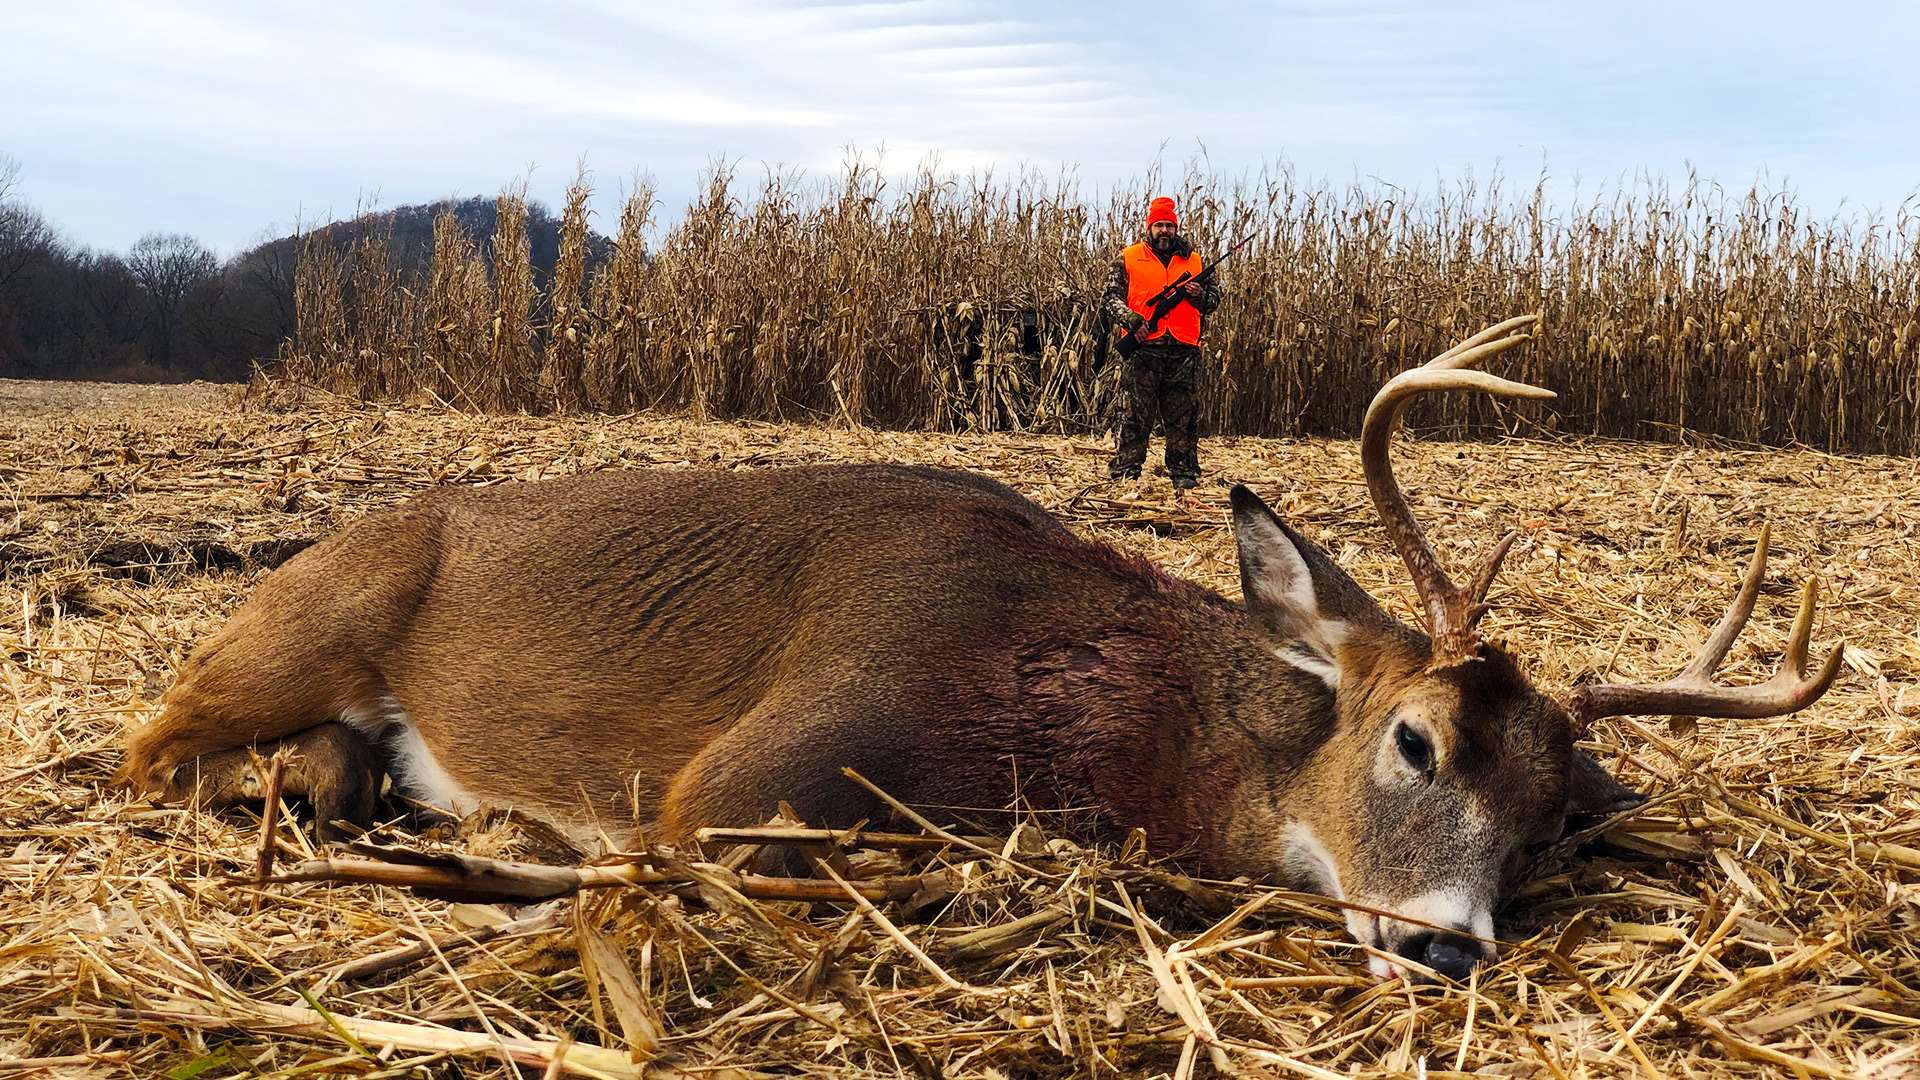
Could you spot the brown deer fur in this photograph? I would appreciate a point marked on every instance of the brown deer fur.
(666, 650)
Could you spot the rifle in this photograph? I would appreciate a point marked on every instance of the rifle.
(1171, 297)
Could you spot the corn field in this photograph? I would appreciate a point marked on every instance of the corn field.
(972, 304)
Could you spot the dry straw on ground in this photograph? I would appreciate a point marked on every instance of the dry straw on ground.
(1757, 919)
(944, 304)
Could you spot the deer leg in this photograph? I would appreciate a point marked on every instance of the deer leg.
(789, 749)
(255, 683)
(303, 651)
(332, 766)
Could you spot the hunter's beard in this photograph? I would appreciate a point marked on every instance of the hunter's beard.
(1166, 244)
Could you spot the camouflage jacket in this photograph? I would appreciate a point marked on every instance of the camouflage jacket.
(1113, 303)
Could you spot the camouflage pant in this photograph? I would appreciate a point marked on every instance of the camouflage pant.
(1162, 385)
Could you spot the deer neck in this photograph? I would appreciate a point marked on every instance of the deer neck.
(1191, 729)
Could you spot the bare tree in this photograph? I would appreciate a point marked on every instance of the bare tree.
(263, 276)
(169, 267)
(25, 236)
(9, 175)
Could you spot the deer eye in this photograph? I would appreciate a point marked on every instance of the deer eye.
(1415, 748)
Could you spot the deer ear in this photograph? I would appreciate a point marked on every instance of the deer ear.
(1592, 790)
(1284, 577)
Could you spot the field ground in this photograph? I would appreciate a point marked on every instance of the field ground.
(1760, 917)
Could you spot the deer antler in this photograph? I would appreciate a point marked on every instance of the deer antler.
(1452, 613)
(1692, 692)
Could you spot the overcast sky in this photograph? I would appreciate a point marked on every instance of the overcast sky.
(226, 119)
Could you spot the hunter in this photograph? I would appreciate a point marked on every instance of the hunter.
(1163, 374)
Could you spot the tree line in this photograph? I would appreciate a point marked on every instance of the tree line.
(169, 309)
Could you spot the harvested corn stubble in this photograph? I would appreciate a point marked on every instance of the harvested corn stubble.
(1758, 918)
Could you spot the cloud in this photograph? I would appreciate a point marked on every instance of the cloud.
(216, 119)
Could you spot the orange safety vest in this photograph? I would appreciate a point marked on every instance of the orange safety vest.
(1146, 276)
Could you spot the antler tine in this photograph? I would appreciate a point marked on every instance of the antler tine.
(1802, 635)
(1483, 577)
(1406, 385)
(1728, 628)
(1451, 614)
(1452, 359)
(1790, 689)
(1692, 692)
(1455, 361)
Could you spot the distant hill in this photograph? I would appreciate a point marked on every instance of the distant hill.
(169, 311)
(411, 232)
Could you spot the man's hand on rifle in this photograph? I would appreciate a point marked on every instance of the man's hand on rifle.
(1193, 289)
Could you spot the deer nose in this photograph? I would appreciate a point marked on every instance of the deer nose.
(1452, 955)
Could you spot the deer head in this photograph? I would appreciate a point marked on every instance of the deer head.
(1444, 764)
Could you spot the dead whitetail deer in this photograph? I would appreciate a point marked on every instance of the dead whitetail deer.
(645, 653)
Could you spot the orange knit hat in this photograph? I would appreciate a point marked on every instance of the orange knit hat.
(1161, 209)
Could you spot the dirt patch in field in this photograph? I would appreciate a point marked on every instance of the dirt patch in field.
(1758, 918)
